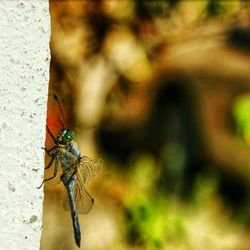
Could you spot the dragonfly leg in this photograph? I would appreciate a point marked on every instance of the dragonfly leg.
(55, 172)
(51, 135)
(51, 162)
(48, 151)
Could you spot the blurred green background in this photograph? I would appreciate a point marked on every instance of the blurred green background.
(160, 90)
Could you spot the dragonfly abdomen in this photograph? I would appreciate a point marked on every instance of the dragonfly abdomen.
(69, 184)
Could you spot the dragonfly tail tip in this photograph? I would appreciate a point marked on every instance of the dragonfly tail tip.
(78, 242)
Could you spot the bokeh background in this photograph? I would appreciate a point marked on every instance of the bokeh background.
(160, 91)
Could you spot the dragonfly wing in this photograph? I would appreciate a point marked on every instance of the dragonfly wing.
(89, 168)
(84, 201)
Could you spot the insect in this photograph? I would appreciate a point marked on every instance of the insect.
(77, 170)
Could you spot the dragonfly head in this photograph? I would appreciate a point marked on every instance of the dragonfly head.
(65, 136)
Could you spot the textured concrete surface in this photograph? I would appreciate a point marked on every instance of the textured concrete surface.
(24, 75)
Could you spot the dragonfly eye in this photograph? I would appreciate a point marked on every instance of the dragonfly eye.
(69, 136)
(65, 136)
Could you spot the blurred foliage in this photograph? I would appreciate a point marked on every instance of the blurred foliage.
(152, 87)
(146, 214)
(241, 114)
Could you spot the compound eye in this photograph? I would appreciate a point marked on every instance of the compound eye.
(68, 136)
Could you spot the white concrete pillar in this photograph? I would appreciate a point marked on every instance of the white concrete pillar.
(24, 76)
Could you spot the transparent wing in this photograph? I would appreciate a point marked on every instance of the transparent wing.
(84, 201)
(89, 168)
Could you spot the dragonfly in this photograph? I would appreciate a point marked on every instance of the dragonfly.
(77, 170)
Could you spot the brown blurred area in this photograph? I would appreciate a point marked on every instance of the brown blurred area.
(150, 87)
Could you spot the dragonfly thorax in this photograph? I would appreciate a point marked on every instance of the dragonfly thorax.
(65, 136)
